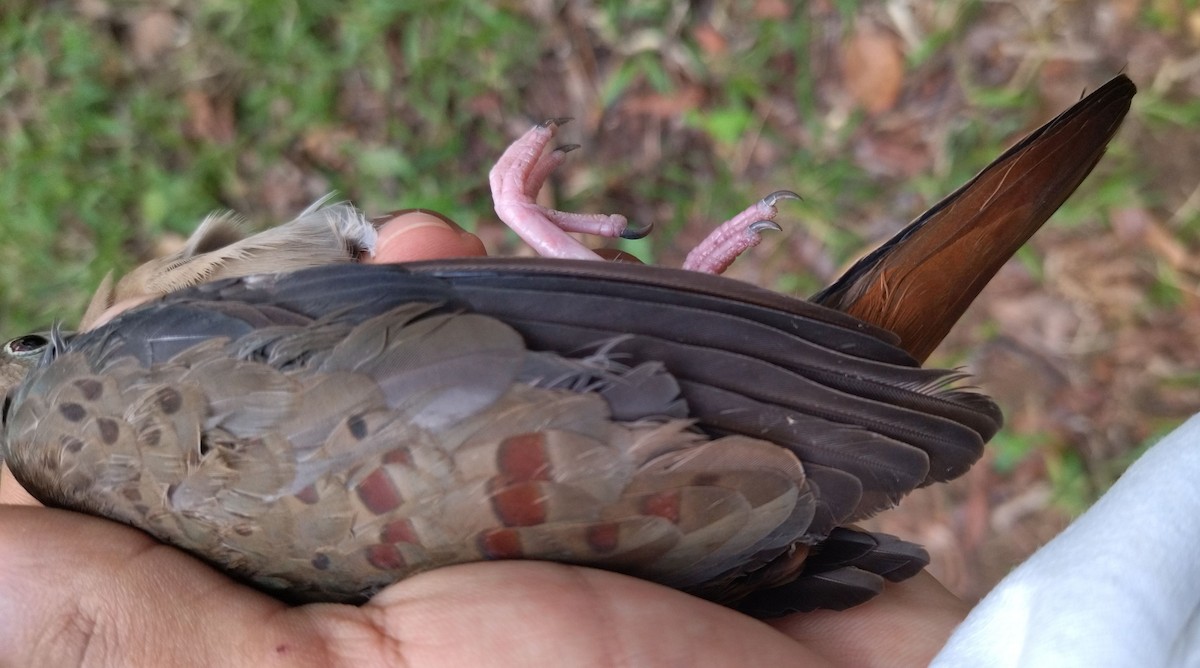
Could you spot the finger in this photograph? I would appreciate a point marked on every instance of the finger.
(539, 614)
(11, 491)
(906, 625)
(76, 589)
(423, 235)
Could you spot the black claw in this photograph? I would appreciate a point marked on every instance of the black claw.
(636, 231)
(566, 148)
(555, 122)
(774, 197)
(764, 225)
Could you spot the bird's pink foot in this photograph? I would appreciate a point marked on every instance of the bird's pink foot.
(734, 237)
(522, 170)
(515, 181)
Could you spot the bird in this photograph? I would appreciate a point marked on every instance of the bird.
(324, 233)
(325, 432)
(219, 249)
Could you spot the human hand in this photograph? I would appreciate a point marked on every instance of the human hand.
(76, 589)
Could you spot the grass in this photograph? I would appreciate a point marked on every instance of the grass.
(98, 163)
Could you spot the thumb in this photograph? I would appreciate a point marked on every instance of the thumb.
(417, 234)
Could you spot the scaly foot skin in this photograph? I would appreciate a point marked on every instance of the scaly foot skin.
(516, 179)
(523, 169)
(740, 233)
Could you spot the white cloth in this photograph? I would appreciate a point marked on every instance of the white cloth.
(1119, 587)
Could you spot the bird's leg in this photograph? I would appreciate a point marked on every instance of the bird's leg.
(522, 170)
(732, 238)
(516, 179)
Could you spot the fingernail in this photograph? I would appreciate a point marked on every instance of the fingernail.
(419, 219)
(439, 237)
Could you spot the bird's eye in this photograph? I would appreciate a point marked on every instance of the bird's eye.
(27, 346)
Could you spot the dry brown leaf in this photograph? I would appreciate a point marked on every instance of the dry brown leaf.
(210, 118)
(324, 146)
(711, 41)
(772, 9)
(1170, 249)
(873, 67)
(685, 98)
(151, 34)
